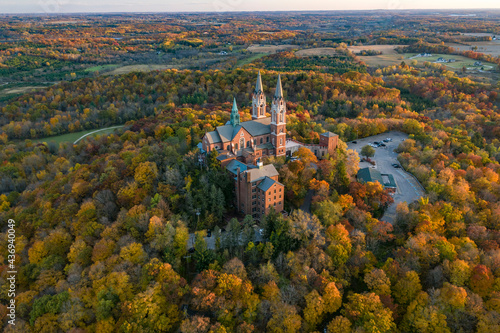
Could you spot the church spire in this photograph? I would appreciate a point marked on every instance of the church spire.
(235, 115)
(258, 86)
(279, 90)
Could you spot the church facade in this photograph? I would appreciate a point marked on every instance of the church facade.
(250, 140)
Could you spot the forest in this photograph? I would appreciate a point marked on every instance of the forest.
(112, 232)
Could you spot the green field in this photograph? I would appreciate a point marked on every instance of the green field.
(100, 68)
(249, 59)
(72, 137)
(395, 59)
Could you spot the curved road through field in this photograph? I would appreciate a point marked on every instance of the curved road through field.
(96, 131)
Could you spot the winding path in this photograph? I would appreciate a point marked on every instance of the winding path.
(99, 130)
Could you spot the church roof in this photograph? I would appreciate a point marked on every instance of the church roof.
(213, 137)
(258, 127)
(227, 132)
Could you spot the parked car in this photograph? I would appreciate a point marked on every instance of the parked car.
(382, 145)
(385, 140)
(354, 142)
(388, 139)
(209, 233)
(397, 166)
(376, 143)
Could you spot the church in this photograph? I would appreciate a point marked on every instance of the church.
(251, 140)
(241, 146)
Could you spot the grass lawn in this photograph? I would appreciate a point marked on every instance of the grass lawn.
(72, 137)
(249, 59)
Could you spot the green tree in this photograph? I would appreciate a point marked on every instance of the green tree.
(367, 151)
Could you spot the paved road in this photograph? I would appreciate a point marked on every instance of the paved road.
(408, 188)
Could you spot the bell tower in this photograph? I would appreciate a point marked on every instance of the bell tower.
(278, 120)
(258, 101)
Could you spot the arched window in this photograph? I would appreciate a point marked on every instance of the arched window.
(242, 143)
(261, 140)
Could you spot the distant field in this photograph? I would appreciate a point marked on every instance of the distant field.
(138, 68)
(492, 48)
(478, 34)
(388, 57)
(19, 90)
(385, 49)
(394, 59)
(100, 68)
(270, 48)
(72, 137)
(249, 59)
(382, 60)
(320, 51)
(457, 65)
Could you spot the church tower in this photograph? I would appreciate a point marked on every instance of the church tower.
(278, 120)
(258, 100)
(235, 115)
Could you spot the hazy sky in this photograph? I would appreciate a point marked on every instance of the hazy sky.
(60, 6)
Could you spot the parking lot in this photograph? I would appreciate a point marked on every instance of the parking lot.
(408, 188)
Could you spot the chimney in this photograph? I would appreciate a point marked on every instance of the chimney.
(259, 163)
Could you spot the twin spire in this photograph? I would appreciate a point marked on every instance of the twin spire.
(279, 88)
(235, 116)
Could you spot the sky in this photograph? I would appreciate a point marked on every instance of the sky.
(72, 6)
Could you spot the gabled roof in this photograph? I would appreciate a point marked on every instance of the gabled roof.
(261, 173)
(370, 175)
(213, 137)
(234, 165)
(329, 134)
(258, 127)
(266, 184)
(227, 132)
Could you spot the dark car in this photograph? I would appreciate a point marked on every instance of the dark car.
(385, 140)
(209, 233)
(355, 142)
(191, 250)
(397, 166)
(382, 145)
(376, 143)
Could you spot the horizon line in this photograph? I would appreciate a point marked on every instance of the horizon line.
(250, 11)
